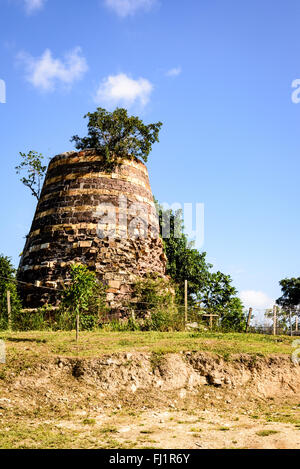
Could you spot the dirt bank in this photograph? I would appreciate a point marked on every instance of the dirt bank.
(131, 372)
(183, 400)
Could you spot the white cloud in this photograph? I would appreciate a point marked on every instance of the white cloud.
(46, 72)
(256, 299)
(123, 90)
(33, 5)
(174, 72)
(125, 8)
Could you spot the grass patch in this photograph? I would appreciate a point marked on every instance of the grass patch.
(108, 430)
(89, 422)
(266, 432)
(157, 359)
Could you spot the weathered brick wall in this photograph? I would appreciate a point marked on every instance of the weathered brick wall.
(67, 224)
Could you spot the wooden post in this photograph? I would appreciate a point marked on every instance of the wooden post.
(291, 324)
(274, 320)
(211, 322)
(77, 328)
(249, 319)
(8, 310)
(186, 301)
(297, 324)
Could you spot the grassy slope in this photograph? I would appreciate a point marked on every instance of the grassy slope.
(93, 344)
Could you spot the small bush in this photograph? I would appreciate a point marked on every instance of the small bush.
(154, 306)
(126, 325)
(25, 321)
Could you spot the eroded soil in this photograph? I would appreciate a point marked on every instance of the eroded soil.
(150, 401)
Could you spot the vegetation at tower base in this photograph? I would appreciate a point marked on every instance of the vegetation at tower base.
(32, 163)
(7, 283)
(155, 304)
(117, 136)
(212, 291)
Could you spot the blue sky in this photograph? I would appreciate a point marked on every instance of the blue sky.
(217, 73)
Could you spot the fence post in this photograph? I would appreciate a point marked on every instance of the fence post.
(297, 324)
(249, 319)
(186, 301)
(77, 327)
(274, 320)
(8, 309)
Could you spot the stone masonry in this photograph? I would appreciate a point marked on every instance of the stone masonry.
(104, 220)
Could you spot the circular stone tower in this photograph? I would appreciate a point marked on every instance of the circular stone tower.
(87, 215)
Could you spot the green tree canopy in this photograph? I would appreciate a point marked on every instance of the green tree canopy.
(290, 298)
(213, 291)
(118, 136)
(184, 262)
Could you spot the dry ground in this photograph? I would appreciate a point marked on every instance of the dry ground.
(208, 420)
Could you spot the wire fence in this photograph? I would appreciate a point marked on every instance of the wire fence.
(259, 321)
(273, 321)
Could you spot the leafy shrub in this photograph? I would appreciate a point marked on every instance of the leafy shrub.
(126, 325)
(30, 321)
(154, 305)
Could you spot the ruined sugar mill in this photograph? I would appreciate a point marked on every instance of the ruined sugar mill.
(105, 220)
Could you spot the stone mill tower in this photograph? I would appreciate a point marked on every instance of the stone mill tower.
(106, 220)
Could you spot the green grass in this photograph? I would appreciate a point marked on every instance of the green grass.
(266, 432)
(27, 346)
(89, 421)
(109, 430)
(43, 436)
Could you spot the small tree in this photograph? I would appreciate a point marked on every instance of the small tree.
(35, 172)
(115, 135)
(80, 291)
(7, 283)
